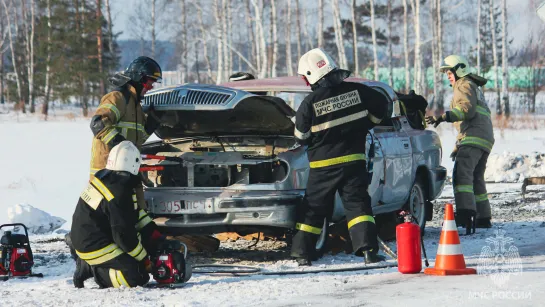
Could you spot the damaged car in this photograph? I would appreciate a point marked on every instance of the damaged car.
(239, 168)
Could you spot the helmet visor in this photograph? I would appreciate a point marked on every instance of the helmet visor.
(155, 79)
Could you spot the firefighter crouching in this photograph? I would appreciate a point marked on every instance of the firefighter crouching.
(334, 121)
(110, 234)
(120, 116)
(474, 142)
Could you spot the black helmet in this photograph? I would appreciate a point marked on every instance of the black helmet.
(143, 67)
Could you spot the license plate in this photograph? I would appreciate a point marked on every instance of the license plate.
(185, 206)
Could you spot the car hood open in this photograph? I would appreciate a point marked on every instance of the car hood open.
(199, 110)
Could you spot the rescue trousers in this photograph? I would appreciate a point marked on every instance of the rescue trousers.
(123, 270)
(468, 181)
(351, 181)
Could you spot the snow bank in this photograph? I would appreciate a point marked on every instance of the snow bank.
(512, 167)
(36, 220)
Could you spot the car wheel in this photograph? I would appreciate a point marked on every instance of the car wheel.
(417, 204)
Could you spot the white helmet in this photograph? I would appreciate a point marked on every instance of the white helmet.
(315, 64)
(456, 62)
(124, 157)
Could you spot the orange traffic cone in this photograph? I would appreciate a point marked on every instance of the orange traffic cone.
(450, 259)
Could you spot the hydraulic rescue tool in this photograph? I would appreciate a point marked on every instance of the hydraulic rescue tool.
(16, 259)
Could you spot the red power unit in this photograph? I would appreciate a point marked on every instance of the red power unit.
(16, 258)
(169, 264)
(409, 258)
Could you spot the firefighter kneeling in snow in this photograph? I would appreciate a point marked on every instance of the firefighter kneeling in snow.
(334, 121)
(469, 111)
(111, 235)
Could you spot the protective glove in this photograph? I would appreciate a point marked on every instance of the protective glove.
(147, 265)
(434, 120)
(453, 154)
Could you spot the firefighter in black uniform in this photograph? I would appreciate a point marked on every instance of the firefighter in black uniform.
(334, 121)
(110, 234)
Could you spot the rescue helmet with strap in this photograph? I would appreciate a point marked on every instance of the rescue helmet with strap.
(144, 67)
(315, 64)
(457, 64)
(124, 157)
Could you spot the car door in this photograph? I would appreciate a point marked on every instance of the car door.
(397, 151)
(375, 188)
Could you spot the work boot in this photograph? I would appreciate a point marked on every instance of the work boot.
(466, 218)
(303, 261)
(372, 256)
(82, 273)
(483, 223)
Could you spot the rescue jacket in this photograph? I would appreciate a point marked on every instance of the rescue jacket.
(107, 221)
(334, 121)
(119, 116)
(469, 110)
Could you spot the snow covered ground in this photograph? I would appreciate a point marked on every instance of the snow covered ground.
(45, 165)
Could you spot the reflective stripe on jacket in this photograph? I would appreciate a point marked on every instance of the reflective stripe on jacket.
(119, 117)
(468, 108)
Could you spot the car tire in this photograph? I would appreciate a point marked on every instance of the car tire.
(416, 205)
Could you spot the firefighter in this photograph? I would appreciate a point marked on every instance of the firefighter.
(471, 115)
(110, 235)
(333, 121)
(120, 117)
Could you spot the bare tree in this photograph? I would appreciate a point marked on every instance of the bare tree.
(204, 40)
(434, 52)
(99, 45)
(374, 38)
(47, 94)
(289, 63)
(274, 38)
(29, 46)
(2, 50)
(504, 64)
(258, 6)
(153, 32)
(479, 36)
(110, 30)
(355, 38)
(320, 23)
(415, 5)
(225, 37)
(406, 46)
(251, 33)
(495, 55)
(390, 53)
(13, 58)
(439, 28)
(184, 41)
(338, 33)
(298, 28)
(229, 35)
(219, 33)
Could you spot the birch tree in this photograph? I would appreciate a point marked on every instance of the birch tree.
(320, 23)
(339, 40)
(374, 38)
(390, 53)
(225, 36)
(298, 28)
(184, 41)
(110, 30)
(355, 38)
(504, 64)
(204, 40)
(229, 36)
(29, 38)
(47, 89)
(3, 49)
(439, 28)
(258, 5)
(251, 34)
(417, 52)
(7, 12)
(433, 14)
(479, 35)
(219, 40)
(153, 32)
(406, 46)
(289, 63)
(274, 39)
(495, 56)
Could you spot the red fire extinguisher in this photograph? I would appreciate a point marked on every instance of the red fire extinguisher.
(408, 246)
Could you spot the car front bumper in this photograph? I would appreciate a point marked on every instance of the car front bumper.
(224, 207)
